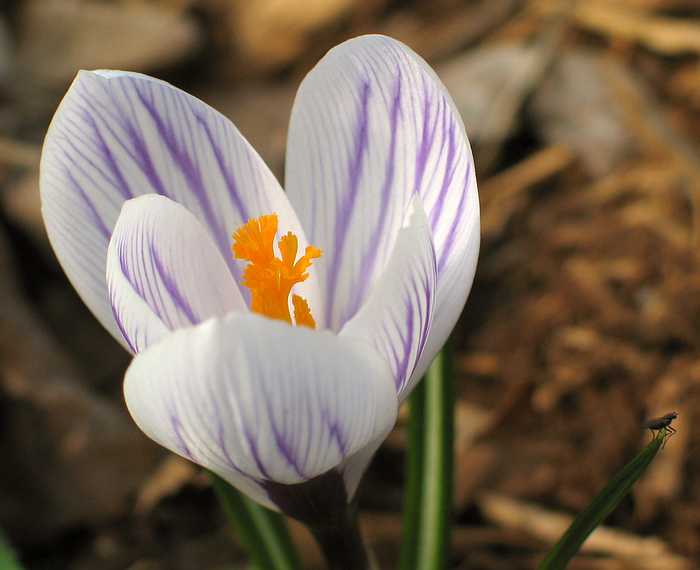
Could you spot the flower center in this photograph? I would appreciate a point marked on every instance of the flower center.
(269, 278)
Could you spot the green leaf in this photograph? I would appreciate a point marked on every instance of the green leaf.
(426, 536)
(262, 532)
(8, 560)
(601, 506)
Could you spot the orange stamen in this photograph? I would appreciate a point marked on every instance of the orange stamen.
(269, 278)
(302, 313)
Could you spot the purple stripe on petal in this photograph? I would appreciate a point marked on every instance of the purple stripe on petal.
(458, 217)
(286, 451)
(426, 140)
(171, 287)
(109, 122)
(335, 432)
(449, 173)
(117, 319)
(81, 159)
(420, 295)
(126, 271)
(392, 348)
(117, 136)
(283, 446)
(144, 287)
(180, 158)
(346, 203)
(144, 159)
(225, 171)
(78, 167)
(217, 435)
(176, 425)
(138, 149)
(96, 219)
(164, 271)
(369, 258)
(121, 182)
(253, 447)
(221, 440)
(183, 160)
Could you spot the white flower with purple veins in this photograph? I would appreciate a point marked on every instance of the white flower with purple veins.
(274, 333)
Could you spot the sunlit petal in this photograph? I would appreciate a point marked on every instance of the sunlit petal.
(371, 127)
(254, 399)
(118, 135)
(397, 316)
(164, 268)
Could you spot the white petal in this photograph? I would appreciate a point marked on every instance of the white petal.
(164, 268)
(372, 126)
(454, 283)
(118, 135)
(355, 466)
(396, 318)
(255, 400)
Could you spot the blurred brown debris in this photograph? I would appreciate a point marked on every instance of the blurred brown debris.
(68, 454)
(642, 553)
(56, 38)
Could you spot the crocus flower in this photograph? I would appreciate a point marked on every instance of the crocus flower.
(274, 333)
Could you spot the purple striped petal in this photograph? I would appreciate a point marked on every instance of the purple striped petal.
(164, 272)
(396, 318)
(256, 400)
(371, 127)
(119, 135)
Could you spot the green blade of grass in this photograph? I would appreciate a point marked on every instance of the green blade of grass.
(8, 560)
(601, 506)
(262, 532)
(414, 478)
(438, 460)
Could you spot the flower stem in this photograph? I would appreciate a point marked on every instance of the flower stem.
(426, 522)
(414, 478)
(342, 543)
(321, 504)
(263, 533)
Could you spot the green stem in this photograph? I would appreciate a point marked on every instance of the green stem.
(262, 532)
(414, 478)
(342, 544)
(434, 536)
(426, 530)
(322, 505)
(601, 506)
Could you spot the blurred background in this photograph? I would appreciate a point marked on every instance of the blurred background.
(584, 318)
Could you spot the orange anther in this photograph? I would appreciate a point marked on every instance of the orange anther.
(269, 278)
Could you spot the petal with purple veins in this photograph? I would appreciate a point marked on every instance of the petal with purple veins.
(397, 316)
(164, 272)
(118, 135)
(256, 400)
(371, 127)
